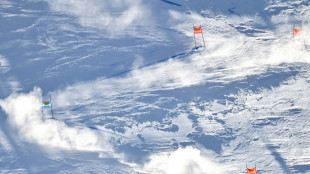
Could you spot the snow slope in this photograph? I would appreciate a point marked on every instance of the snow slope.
(131, 95)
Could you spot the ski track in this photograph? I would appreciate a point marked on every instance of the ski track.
(6, 150)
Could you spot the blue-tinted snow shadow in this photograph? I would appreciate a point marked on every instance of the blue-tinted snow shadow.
(231, 10)
(210, 142)
(249, 31)
(301, 168)
(135, 153)
(214, 90)
(171, 3)
(279, 158)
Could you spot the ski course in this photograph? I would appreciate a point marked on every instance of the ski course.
(123, 105)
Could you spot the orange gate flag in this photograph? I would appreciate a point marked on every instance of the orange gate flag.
(297, 31)
(197, 30)
(252, 171)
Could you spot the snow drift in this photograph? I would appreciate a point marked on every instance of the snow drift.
(24, 114)
(116, 16)
(182, 161)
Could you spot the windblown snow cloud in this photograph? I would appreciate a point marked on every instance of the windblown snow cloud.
(166, 75)
(182, 161)
(114, 15)
(24, 114)
(234, 46)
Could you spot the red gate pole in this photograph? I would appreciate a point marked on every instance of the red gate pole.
(194, 35)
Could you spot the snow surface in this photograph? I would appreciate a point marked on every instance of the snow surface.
(130, 95)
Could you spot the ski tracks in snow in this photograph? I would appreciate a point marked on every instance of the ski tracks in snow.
(7, 153)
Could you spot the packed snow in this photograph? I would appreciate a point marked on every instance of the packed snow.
(130, 94)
